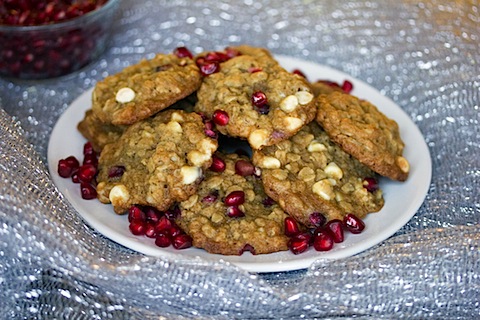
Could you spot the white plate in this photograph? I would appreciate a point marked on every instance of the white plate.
(402, 200)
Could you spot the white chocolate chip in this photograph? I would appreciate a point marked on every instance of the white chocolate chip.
(403, 164)
(174, 126)
(208, 146)
(198, 158)
(289, 104)
(323, 189)
(304, 97)
(293, 124)
(125, 95)
(333, 171)
(119, 195)
(316, 146)
(177, 117)
(190, 174)
(258, 138)
(271, 163)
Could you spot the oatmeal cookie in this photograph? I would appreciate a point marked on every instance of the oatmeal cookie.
(156, 162)
(364, 132)
(260, 102)
(310, 175)
(139, 91)
(218, 228)
(98, 133)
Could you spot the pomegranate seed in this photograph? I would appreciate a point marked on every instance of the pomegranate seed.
(137, 227)
(162, 240)
(260, 102)
(152, 214)
(347, 86)
(249, 248)
(323, 240)
(150, 231)
(299, 72)
(88, 148)
(173, 213)
(353, 224)
(336, 228)
(86, 173)
(244, 168)
(291, 227)
(163, 225)
(135, 213)
(235, 212)
(182, 241)
(317, 219)
(254, 69)
(371, 184)
(220, 117)
(231, 52)
(87, 191)
(116, 171)
(90, 159)
(209, 67)
(218, 165)
(174, 230)
(211, 198)
(183, 52)
(75, 177)
(68, 166)
(216, 57)
(299, 243)
(235, 198)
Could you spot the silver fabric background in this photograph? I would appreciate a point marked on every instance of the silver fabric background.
(422, 54)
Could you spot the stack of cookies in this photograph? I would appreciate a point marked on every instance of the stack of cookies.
(165, 129)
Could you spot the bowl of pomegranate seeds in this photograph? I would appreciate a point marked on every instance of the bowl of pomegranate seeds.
(45, 39)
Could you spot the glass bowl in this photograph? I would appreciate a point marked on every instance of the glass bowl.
(52, 50)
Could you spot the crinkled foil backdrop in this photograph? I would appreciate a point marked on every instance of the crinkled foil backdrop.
(423, 54)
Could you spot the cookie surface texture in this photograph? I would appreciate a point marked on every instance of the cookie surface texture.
(156, 162)
(204, 215)
(97, 132)
(308, 174)
(364, 132)
(283, 101)
(141, 90)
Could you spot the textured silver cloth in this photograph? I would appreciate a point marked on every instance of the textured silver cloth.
(424, 55)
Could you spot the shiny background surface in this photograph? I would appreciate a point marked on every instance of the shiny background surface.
(423, 55)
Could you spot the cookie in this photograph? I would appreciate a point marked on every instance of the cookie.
(98, 133)
(156, 162)
(364, 132)
(217, 228)
(141, 90)
(257, 101)
(309, 175)
(323, 87)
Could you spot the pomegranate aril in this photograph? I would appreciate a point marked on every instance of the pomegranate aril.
(317, 219)
(152, 214)
(88, 149)
(163, 225)
(291, 227)
(254, 69)
(336, 228)
(116, 171)
(150, 231)
(162, 240)
(235, 198)
(90, 159)
(353, 224)
(216, 57)
(211, 197)
(209, 67)
(267, 202)
(231, 52)
(183, 52)
(347, 86)
(66, 167)
(137, 227)
(323, 240)
(299, 72)
(86, 172)
(259, 98)
(235, 212)
(182, 241)
(135, 213)
(249, 248)
(218, 165)
(174, 230)
(172, 213)
(220, 117)
(244, 168)
(299, 243)
(87, 191)
(371, 184)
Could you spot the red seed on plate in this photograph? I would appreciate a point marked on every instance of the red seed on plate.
(182, 241)
(323, 240)
(353, 224)
(291, 227)
(87, 191)
(299, 243)
(336, 228)
(162, 240)
(135, 213)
